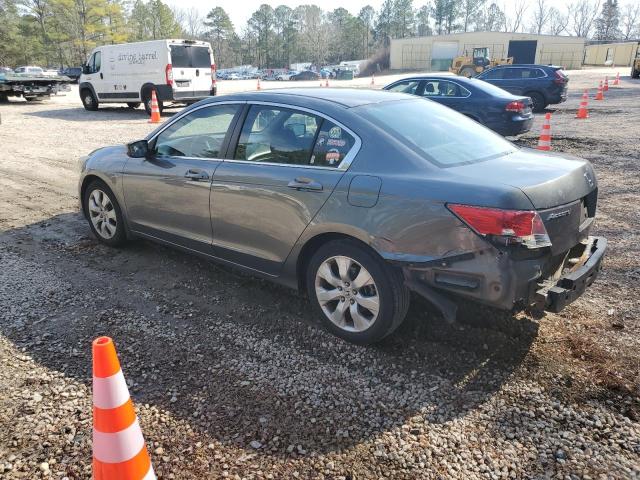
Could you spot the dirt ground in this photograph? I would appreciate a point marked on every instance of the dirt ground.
(232, 376)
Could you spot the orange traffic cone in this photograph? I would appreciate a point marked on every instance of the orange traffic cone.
(327, 82)
(606, 84)
(616, 81)
(155, 111)
(582, 111)
(258, 88)
(599, 95)
(373, 79)
(544, 143)
(119, 451)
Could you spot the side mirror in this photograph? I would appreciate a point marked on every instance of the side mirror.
(86, 70)
(139, 149)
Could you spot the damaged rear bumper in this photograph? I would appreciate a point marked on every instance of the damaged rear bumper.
(570, 286)
(496, 278)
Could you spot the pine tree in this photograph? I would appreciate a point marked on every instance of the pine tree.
(607, 25)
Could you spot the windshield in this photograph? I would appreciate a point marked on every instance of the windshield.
(189, 56)
(441, 135)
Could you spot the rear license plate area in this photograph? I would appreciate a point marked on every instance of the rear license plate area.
(183, 83)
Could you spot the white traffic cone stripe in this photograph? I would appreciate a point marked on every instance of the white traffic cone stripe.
(151, 475)
(110, 392)
(118, 447)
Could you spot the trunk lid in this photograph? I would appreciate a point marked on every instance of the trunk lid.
(562, 188)
(547, 179)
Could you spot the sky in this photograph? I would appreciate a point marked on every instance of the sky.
(241, 10)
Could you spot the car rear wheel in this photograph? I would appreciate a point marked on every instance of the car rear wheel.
(359, 297)
(89, 101)
(538, 101)
(104, 214)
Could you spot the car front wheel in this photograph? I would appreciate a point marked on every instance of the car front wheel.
(358, 296)
(104, 214)
(89, 101)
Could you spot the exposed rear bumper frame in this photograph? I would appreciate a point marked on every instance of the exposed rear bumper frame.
(569, 287)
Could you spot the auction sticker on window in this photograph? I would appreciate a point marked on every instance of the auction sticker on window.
(335, 132)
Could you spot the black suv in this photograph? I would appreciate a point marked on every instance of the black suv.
(545, 84)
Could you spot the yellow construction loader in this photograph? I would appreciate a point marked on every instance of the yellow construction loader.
(470, 66)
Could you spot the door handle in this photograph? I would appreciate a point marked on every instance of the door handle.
(196, 175)
(101, 76)
(303, 183)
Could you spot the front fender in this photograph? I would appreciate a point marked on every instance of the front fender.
(106, 164)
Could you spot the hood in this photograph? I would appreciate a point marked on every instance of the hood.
(547, 179)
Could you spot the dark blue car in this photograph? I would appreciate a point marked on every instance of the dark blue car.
(493, 107)
(544, 84)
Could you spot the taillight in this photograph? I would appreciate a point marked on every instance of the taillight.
(213, 74)
(516, 106)
(507, 227)
(560, 78)
(168, 72)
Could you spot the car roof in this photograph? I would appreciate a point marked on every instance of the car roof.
(529, 65)
(344, 97)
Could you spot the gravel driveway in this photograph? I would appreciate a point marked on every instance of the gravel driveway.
(233, 378)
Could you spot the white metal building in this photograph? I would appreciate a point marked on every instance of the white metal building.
(609, 54)
(436, 52)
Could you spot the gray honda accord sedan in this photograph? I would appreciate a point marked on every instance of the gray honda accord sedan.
(356, 197)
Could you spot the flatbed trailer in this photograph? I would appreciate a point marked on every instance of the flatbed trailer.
(31, 87)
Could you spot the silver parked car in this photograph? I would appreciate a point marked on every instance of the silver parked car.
(356, 197)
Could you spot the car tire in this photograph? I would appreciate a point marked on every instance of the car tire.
(104, 214)
(147, 102)
(89, 100)
(539, 104)
(133, 105)
(331, 277)
(635, 73)
(468, 72)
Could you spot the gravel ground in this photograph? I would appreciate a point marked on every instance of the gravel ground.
(233, 378)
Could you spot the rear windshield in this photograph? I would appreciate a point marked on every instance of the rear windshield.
(190, 56)
(489, 88)
(441, 135)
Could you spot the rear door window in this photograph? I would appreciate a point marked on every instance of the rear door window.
(409, 86)
(200, 57)
(190, 56)
(290, 137)
(332, 145)
(444, 88)
(495, 74)
(277, 135)
(514, 73)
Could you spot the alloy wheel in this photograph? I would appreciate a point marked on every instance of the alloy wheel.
(347, 294)
(102, 214)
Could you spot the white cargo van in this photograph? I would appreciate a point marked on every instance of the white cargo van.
(180, 71)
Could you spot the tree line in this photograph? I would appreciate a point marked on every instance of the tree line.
(63, 32)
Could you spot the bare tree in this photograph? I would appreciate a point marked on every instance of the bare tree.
(557, 21)
(541, 16)
(630, 21)
(193, 23)
(582, 16)
(513, 22)
(190, 20)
